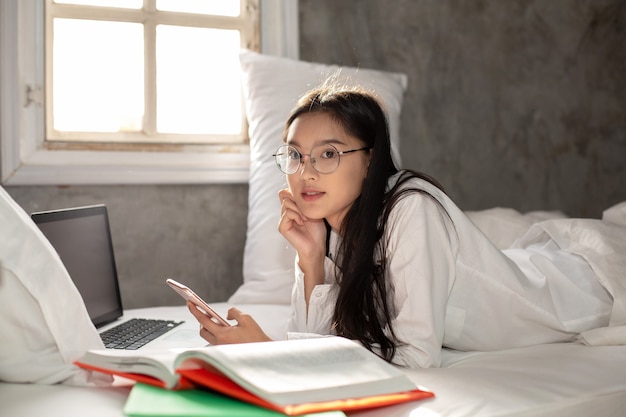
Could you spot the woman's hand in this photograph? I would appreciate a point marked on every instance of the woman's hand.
(307, 236)
(246, 330)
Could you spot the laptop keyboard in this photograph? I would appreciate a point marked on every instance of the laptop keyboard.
(135, 333)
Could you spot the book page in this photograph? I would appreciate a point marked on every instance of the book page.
(158, 364)
(320, 369)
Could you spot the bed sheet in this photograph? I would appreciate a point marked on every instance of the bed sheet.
(546, 380)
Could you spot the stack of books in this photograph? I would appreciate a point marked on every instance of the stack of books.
(327, 375)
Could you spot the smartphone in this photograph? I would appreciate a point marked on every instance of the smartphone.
(189, 295)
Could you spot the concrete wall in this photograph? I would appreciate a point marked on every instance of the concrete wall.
(510, 103)
(518, 103)
(193, 233)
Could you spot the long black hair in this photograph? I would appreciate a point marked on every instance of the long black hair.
(362, 311)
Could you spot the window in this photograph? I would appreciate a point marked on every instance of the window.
(134, 145)
(160, 72)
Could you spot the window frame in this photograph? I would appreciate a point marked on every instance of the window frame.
(149, 18)
(24, 158)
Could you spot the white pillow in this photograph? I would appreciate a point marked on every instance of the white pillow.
(616, 213)
(272, 86)
(45, 326)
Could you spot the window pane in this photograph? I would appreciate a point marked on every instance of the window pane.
(98, 77)
(215, 7)
(198, 80)
(126, 4)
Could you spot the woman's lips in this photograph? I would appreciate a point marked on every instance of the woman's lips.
(311, 195)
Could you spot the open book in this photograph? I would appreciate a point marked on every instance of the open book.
(291, 376)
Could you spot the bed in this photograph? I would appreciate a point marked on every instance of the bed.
(571, 379)
(545, 380)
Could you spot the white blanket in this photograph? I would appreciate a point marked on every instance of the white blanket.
(602, 243)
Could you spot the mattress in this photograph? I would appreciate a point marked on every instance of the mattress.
(544, 380)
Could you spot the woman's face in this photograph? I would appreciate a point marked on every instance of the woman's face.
(328, 196)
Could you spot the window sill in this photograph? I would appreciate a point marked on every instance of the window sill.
(84, 167)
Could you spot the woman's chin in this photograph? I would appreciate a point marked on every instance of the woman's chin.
(313, 215)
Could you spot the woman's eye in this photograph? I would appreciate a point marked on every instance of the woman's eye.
(294, 155)
(328, 154)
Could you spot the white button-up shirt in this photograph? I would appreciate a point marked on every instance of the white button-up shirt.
(452, 287)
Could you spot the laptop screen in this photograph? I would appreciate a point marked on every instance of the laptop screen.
(82, 238)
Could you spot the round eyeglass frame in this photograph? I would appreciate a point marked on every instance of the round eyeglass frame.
(281, 154)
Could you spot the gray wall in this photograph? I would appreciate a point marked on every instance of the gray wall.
(193, 233)
(518, 103)
(510, 103)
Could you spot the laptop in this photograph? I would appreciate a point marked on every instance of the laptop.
(82, 238)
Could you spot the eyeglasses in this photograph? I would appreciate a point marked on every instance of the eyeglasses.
(324, 158)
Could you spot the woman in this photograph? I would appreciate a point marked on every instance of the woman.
(386, 258)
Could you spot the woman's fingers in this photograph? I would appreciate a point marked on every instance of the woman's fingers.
(233, 314)
(288, 206)
(202, 318)
(288, 220)
(246, 329)
(305, 235)
(209, 330)
(289, 214)
(285, 194)
(208, 336)
(288, 203)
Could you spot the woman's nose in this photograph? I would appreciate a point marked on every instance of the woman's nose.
(306, 168)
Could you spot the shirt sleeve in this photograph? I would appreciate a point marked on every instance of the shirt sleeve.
(421, 247)
(321, 304)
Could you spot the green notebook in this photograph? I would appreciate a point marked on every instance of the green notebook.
(149, 401)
